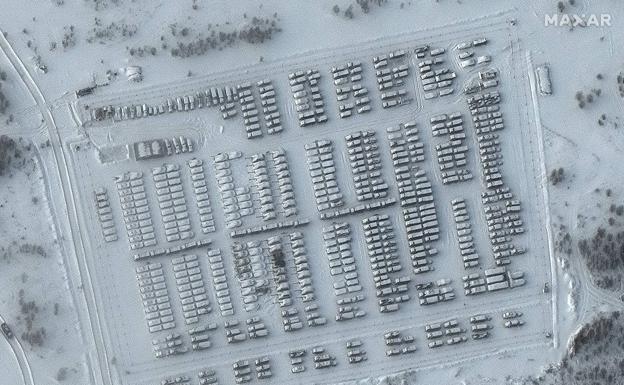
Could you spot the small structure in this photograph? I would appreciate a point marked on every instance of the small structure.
(150, 149)
(134, 73)
(543, 79)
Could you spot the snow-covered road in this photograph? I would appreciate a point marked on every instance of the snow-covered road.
(11, 353)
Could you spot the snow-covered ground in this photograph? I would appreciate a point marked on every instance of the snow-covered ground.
(580, 59)
(9, 368)
(36, 301)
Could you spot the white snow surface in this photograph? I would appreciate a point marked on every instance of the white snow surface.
(591, 154)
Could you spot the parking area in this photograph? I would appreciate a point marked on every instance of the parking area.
(325, 218)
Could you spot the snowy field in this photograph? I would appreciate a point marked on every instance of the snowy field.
(69, 46)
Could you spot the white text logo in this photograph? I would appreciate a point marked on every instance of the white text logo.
(574, 20)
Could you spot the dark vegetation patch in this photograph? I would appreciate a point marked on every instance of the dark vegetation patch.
(561, 5)
(13, 154)
(28, 321)
(594, 355)
(69, 37)
(103, 32)
(556, 176)
(146, 50)
(256, 30)
(61, 375)
(8, 152)
(603, 254)
(563, 241)
(4, 101)
(363, 6)
(586, 98)
(103, 4)
(598, 239)
(15, 251)
(603, 250)
(620, 83)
